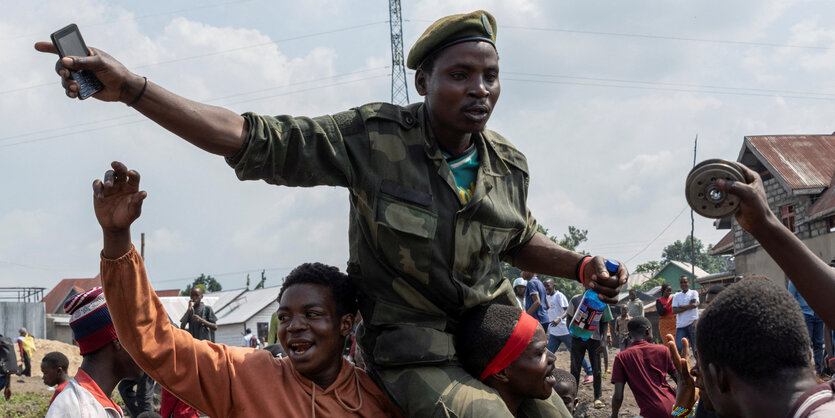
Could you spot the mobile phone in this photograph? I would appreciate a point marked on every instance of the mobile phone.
(69, 43)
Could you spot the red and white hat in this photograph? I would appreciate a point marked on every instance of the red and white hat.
(90, 320)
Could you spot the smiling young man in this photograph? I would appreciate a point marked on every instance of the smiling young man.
(317, 309)
(436, 201)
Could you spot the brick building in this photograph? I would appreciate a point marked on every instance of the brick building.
(798, 173)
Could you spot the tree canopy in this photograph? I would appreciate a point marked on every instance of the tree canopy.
(680, 251)
(569, 241)
(207, 283)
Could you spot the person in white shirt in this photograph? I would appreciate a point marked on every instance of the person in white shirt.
(519, 287)
(686, 308)
(246, 341)
(558, 328)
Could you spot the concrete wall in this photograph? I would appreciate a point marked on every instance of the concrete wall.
(58, 328)
(30, 315)
(757, 261)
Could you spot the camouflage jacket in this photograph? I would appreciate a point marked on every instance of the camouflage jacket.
(418, 257)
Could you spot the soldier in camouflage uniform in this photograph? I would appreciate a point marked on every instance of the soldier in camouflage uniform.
(424, 247)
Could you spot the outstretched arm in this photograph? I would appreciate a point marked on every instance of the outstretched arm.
(544, 256)
(214, 129)
(811, 276)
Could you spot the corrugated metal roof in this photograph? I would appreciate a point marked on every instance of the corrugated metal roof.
(247, 305)
(725, 245)
(686, 266)
(801, 161)
(225, 297)
(637, 279)
(176, 306)
(824, 206)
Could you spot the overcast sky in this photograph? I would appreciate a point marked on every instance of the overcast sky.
(604, 98)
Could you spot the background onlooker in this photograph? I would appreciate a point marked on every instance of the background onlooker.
(814, 325)
(621, 329)
(666, 316)
(685, 306)
(520, 285)
(558, 328)
(644, 367)
(593, 346)
(535, 303)
(26, 344)
(635, 305)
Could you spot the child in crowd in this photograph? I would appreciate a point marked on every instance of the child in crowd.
(566, 388)
(54, 368)
(105, 361)
(506, 348)
(621, 330)
(315, 314)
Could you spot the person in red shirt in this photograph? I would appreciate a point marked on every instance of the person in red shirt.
(54, 368)
(644, 366)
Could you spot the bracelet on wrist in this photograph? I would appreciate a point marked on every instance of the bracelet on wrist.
(679, 411)
(582, 274)
(141, 92)
(577, 269)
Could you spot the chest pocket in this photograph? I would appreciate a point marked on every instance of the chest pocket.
(405, 235)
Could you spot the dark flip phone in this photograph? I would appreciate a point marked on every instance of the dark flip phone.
(69, 43)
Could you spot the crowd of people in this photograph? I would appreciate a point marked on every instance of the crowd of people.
(436, 202)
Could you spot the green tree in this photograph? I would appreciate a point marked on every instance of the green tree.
(649, 284)
(569, 241)
(208, 283)
(650, 267)
(680, 251)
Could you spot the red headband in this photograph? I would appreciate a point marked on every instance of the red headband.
(515, 345)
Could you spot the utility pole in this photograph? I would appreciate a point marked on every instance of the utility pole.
(693, 223)
(399, 89)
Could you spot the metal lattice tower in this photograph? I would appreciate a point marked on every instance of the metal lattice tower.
(399, 89)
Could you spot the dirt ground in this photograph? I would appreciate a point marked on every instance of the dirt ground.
(585, 408)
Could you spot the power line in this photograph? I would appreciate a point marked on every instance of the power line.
(670, 89)
(657, 236)
(651, 36)
(142, 119)
(662, 83)
(220, 52)
(134, 115)
(90, 24)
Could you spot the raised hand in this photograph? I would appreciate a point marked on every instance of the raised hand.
(686, 392)
(119, 83)
(117, 200)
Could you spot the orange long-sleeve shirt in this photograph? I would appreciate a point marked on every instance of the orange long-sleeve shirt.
(219, 380)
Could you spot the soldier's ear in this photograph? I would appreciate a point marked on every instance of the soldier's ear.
(420, 81)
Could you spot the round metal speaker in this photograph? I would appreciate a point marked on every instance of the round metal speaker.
(704, 196)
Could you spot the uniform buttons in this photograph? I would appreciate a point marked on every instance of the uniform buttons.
(409, 119)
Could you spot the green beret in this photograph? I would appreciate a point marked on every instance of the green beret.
(447, 31)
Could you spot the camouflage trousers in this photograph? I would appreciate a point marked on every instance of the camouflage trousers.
(448, 391)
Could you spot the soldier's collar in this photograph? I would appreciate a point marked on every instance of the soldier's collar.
(490, 159)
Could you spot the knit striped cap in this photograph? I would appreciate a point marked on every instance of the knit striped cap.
(90, 320)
